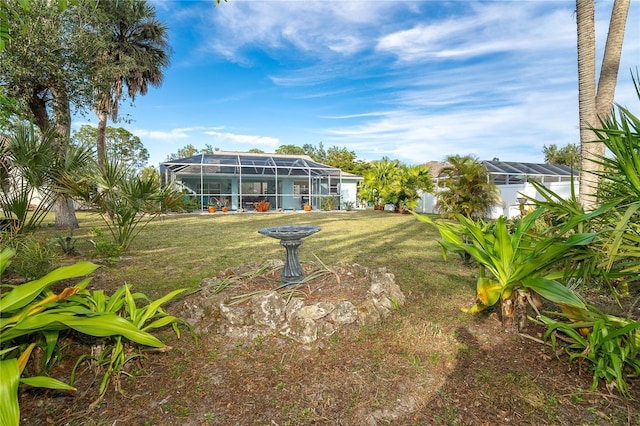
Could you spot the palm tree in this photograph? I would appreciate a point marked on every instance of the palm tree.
(468, 189)
(409, 185)
(134, 54)
(596, 106)
(377, 180)
(568, 155)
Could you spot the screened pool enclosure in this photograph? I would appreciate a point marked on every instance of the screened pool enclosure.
(239, 180)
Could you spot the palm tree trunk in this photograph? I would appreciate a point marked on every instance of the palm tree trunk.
(514, 312)
(63, 206)
(611, 59)
(585, 17)
(596, 105)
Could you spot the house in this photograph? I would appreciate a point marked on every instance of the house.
(287, 182)
(513, 180)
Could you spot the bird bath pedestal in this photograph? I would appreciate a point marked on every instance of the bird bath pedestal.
(290, 238)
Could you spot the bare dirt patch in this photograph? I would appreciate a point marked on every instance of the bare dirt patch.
(402, 372)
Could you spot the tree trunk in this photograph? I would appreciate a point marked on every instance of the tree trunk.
(65, 213)
(514, 312)
(595, 106)
(611, 59)
(63, 207)
(100, 139)
(585, 18)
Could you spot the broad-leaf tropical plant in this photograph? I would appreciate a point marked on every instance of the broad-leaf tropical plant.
(32, 315)
(518, 263)
(466, 189)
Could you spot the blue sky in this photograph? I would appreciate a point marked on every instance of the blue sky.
(411, 80)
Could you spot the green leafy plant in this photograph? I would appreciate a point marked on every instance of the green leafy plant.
(67, 244)
(609, 344)
(104, 247)
(32, 315)
(329, 203)
(126, 201)
(518, 263)
(150, 316)
(466, 189)
(405, 190)
(30, 169)
(34, 257)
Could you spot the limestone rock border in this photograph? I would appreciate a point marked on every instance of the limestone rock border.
(269, 312)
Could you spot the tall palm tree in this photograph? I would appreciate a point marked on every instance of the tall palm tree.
(595, 106)
(134, 55)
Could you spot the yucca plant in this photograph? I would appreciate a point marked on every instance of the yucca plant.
(621, 136)
(585, 266)
(513, 266)
(32, 315)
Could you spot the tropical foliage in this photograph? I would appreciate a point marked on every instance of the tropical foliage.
(407, 188)
(576, 248)
(135, 51)
(126, 201)
(568, 155)
(466, 189)
(31, 315)
(518, 263)
(381, 174)
(30, 168)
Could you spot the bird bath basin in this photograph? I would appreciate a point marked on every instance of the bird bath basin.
(290, 237)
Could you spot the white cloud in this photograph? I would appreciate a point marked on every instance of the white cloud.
(172, 134)
(253, 140)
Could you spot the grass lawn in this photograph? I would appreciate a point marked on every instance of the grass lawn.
(180, 250)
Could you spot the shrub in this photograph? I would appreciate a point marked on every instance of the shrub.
(34, 258)
(329, 203)
(32, 315)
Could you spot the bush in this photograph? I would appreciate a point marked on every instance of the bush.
(34, 258)
(329, 203)
(32, 315)
(105, 248)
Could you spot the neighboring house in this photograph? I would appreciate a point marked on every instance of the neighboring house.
(286, 181)
(513, 181)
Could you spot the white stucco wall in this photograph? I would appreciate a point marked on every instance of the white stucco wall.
(349, 192)
(509, 194)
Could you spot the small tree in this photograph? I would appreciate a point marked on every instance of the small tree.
(377, 181)
(410, 182)
(126, 201)
(467, 189)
